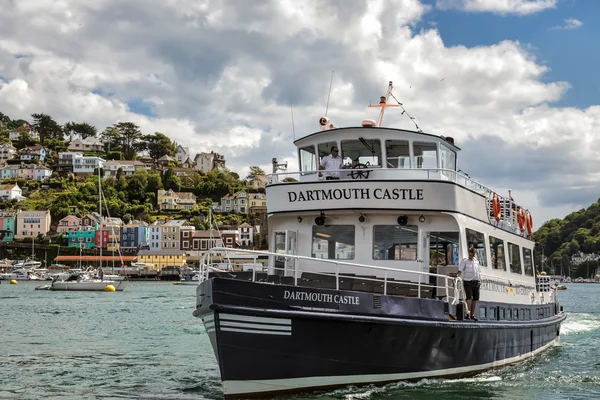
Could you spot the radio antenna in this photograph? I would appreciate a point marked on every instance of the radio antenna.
(293, 126)
(329, 94)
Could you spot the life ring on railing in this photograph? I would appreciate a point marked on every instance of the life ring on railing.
(521, 219)
(529, 222)
(496, 207)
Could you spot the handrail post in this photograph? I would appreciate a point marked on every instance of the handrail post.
(253, 274)
(419, 287)
(337, 276)
(385, 282)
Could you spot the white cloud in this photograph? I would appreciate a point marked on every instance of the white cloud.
(519, 7)
(570, 23)
(220, 76)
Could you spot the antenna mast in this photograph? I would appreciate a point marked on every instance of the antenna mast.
(383, 104)
(293, 126)
(329, 94)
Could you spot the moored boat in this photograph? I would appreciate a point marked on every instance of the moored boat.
(362, 284)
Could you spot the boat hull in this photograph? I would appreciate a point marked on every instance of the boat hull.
(265, 351)
(89, 286)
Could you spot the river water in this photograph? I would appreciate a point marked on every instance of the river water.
(144, 343)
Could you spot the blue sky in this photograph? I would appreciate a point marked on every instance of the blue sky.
(571, 54)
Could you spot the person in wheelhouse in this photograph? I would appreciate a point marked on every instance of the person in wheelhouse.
(332, 163)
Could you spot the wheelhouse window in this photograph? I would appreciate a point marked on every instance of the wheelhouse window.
(443, 248)
(334, 242)
(425, 155)
(325, 149)
(527, 262)
(476, 240)
(395, 242)
(447, 160)
(514, 258)
(362, 151)
(397, 153)
(308, 158)
(497, 253)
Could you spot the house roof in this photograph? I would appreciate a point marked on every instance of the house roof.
(71, 216)
(8, 187)
(176, 222)
(166, 157)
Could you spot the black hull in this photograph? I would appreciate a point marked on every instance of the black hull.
(266, 346)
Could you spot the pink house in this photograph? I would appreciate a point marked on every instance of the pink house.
(68, 223)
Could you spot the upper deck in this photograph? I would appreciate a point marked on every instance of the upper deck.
(375, 157)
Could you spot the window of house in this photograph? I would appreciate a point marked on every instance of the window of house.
(395, 242)
(397, 153)
(514, 258)
(361, 151)
(308, 158)
(228, 240)
(476, 240)
(527, 262)
(337, 242)
(203, 245)
(185, 234)
(497, 253)
(425, 155)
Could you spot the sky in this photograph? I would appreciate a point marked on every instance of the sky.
(513, 81)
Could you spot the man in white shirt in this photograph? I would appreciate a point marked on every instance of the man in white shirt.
(333, 163)
(469, 271)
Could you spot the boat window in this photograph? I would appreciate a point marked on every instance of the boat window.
(362, 151)
(477, 241)
(333, 242)
(308, 158)
(509, 314)
(482, 312)
(492, 313)
(447, 160)
(502, 313)
(514, 258)
(280, 242)
(425, 155)
(527, 262)
(443, 249)
(497, 253)
(325, 149)
(516, 314)
(397, 153)
(395, 242)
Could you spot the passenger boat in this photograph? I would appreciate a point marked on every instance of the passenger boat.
(362, 284)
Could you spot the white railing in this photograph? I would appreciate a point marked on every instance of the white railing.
(381, 274)
(376, 172)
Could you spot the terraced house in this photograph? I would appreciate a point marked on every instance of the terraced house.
(170, 200)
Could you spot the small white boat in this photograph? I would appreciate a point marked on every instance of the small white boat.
(85, 282)
(21, 274)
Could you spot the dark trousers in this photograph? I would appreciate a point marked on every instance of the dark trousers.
(332, 178)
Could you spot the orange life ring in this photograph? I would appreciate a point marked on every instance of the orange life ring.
(496, 207)
(529, 221)
(521, 219)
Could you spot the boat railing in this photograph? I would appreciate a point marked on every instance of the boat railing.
(376, 172)
(446, 287)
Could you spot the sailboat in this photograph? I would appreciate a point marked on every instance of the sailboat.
(30, 262)
(87, 280)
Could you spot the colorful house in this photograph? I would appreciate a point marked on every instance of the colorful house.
(68, 223)
(32, 224)
(34, 153)
(170, 200)
(162, 258)
(7, 224)
(134, 235)
(9, 172)
(81, 237)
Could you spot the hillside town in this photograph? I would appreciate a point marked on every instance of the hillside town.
(174, 227)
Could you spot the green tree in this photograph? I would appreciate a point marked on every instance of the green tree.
(158, 145)
(46, 127)
(111, 138)
(171, 181)
(255, 172)
(83, 129)
(154, 182)
(130, 138)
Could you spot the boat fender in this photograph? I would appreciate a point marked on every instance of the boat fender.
(109, 288)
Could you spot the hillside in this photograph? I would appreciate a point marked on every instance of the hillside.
(560, 239)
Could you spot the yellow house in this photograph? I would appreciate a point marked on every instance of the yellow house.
(257, 203)
(170, 200)
(162, 258)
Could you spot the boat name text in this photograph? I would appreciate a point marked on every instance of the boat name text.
(356, 194)
(321, 297)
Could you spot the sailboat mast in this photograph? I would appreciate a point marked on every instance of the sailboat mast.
(100, 211)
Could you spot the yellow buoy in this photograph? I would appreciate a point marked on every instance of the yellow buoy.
(109, 288)
(177, 283)
(13, 282)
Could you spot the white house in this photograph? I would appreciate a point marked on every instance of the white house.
(183, 153)
(207, 162)
(7, 152)
(88, 144)
(85, 165)
(10, 192)
(155, 235)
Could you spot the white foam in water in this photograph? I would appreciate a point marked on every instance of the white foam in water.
(577, 323)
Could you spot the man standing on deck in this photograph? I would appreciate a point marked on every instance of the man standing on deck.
(333, 163)
(469, 271)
